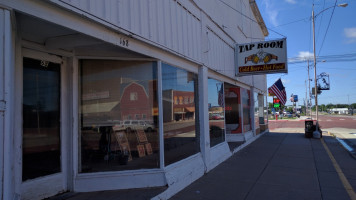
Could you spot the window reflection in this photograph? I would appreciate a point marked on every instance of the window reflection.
(262, 112)
(180, 116)
(216, 111)
(265, 109)
(41, 114)
(119, 115)
(246, 104)
(232, 109)
(257, 112)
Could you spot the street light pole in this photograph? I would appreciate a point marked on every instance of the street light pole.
(309, 102)
(315, 80)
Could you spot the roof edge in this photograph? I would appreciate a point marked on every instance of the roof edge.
(258, 17)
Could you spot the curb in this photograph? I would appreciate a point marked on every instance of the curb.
(344, 144)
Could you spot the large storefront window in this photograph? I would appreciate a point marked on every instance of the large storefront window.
(261, 113)
(216, 111)
(246, 106)
(232, 109)
(119, 116)
(265, 109)
(41, 119)
(256, 112)
(180, 113)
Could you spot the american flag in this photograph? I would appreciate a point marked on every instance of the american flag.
(221, 96)
(278, 90)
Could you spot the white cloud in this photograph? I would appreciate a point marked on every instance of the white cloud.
(271, 11)
(285, 81)
(302, 56)
(291, 1)
(305, 55)
(350, 33)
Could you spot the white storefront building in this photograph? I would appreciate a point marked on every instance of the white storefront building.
(118, 94)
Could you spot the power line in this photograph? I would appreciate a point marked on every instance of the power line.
(327, 29)
(338, 68)
(321, 19)
(329, 58)
(339, 96)
(292, 22)
(249, 17)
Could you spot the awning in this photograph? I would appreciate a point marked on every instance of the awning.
(98, 107)
(189, 109)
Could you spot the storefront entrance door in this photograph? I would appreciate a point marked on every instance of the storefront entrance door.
(42, 173)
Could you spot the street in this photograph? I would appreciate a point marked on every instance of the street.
(341, 126)
(325, 121)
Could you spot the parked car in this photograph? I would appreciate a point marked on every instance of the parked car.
(217, 117)
(130, 125)
(289, 115)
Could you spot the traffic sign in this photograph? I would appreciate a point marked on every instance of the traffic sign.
(276, 103)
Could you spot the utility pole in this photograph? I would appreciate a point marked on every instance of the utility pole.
(310, 112)
(348, 102)
(306, 98)
(315, 81)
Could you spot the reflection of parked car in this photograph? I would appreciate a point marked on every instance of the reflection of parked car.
(217, 117)
(130, 125)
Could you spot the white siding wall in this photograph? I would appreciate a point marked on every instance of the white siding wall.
(167, 23)
(6, 104)
(178, 25)
(233, 16)
(2, 99)
(220, 54)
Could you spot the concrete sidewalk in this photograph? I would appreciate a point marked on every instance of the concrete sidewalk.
(277, 166)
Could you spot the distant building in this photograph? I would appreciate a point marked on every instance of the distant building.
(340, 111)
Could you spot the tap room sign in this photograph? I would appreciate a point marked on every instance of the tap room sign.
(265, 57)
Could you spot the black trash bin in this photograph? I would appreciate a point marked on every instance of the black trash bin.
(309, 128)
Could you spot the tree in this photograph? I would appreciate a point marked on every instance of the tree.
(313, 108)
(303, 108)
(330, 106)
(290, 109)
(322, 107)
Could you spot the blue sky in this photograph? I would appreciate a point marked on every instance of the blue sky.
(292, 19)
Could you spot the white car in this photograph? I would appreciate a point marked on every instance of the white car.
(130, 125)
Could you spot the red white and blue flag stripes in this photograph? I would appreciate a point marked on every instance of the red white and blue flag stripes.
(278, 90)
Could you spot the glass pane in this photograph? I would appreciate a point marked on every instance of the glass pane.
(256, 112)
(261, 109)
(265, 109)
(119, 116)
(232, 109)
(41, 118)
(246, 99)
(180, 114)
(216, 111)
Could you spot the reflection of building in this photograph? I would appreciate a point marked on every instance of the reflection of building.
(135, 101)
(119, 101)
(179, 106)
(110, 60)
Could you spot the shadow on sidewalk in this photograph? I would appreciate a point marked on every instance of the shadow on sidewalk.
(278, 165)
